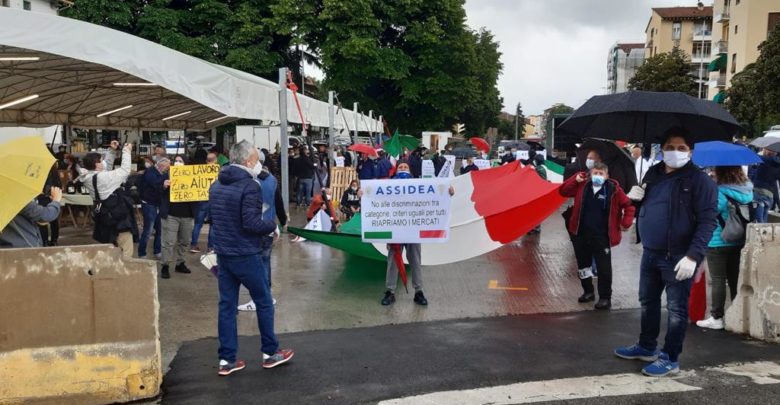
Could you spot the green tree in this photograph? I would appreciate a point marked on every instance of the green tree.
(520, 121)
(754, 92)
(665, 72)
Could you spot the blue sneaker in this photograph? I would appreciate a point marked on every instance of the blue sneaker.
(662, 367)
(636, 352)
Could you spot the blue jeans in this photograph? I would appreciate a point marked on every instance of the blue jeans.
(201, 209)
(304, 191)
(656, 274)
(151, 217)
(266, 244)
(233, 272)
(763, 206)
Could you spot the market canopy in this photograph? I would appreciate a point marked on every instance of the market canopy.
(56, 70)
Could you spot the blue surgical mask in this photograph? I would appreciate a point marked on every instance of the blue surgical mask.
(598, 180)
(403, 175)
(589, 163)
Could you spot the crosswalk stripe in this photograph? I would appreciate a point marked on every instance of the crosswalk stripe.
(587, 387)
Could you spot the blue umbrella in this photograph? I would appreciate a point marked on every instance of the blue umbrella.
(717, 153)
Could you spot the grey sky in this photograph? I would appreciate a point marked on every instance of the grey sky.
(556, 50)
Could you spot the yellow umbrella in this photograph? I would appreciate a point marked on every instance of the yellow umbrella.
(25, 165)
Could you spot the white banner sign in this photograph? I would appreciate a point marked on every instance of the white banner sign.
(406, 211)
(482, 164)
(451, 159)
(339, 161)
(428, 170)
(446, 168)
(522, 155)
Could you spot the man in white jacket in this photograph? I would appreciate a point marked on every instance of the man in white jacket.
(109, 181)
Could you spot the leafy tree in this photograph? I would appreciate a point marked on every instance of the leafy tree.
(520, 121)
(666, 72)
(754, 95)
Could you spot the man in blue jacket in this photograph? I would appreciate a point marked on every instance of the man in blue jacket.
(676, 219)
(151, 192)
(238, 228)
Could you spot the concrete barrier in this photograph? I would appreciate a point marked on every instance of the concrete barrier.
(78, 325)
(756, 309)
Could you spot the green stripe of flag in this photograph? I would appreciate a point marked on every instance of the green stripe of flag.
(377, 235)
(554, 167)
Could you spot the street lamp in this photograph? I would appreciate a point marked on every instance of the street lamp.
(700, 6)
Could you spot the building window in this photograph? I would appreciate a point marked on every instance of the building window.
(676, 30)
(737, 2)
(736, 29)
(27, 5)
(774, 19)
(5, 3)
(734, 63)
(701, 50)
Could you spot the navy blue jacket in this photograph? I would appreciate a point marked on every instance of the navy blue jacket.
(236, 212)
(767, 174)
(367, 169)
(151, 189)
(692, 211)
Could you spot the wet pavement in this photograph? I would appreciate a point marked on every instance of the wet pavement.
(368, 365)
(484, 325)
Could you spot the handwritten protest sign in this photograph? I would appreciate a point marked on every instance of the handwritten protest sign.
(191, 183)
(339, 161)
(406, 211)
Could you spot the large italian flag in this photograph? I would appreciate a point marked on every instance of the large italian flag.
(490, 208)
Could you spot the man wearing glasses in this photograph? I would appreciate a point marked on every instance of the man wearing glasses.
(677, 215)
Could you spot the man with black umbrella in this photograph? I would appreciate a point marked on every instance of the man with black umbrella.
(677, 215)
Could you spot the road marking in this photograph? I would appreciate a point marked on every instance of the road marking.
(551, 390)
(593, 386)
(759, 372)
(493, 285)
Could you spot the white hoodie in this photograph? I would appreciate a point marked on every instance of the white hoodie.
(108, 180)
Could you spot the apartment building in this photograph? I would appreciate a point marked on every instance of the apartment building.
(40, 6)
(623, 61)
(690, 29)
(740, 26)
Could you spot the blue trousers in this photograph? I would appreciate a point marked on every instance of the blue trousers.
(249, 271)
(304, 191)
(266, 244)
(202, 208)
(151, 218)
(656, 275)
(763, 205)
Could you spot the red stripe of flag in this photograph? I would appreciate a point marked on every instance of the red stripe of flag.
(433, 234)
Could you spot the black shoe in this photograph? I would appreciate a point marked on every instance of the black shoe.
(604, 303)
(587, 297)
(182, 268)
(164, 273)
(389, 298)
(419, 298)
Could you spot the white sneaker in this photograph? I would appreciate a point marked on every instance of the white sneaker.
(710, 323)
(248, 307)
(274, 300)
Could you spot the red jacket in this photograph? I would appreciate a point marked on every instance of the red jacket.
(621, 211)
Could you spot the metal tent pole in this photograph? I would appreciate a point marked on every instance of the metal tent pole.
(285, 138)
(355, 110)
(331, 127)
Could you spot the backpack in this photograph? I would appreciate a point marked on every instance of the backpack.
(110, 215)
(734, 227)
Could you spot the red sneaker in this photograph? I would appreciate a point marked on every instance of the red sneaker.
(280, 357)
(227, 368)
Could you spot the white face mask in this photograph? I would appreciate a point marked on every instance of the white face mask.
(676, 159)
(257, 169)
(589, 163)
(147, 165)
(354, 188)
(178, 163)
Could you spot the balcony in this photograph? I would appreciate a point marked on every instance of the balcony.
(700, 58)
(718, 81)
(702, 35)
(722, 17)
(720, 47)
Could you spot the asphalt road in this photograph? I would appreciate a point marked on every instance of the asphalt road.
(370, 365)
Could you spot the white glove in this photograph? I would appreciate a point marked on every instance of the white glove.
(685, 269)
(636, 194)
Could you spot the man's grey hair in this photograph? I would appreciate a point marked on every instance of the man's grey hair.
(162, 161)
(240, 152)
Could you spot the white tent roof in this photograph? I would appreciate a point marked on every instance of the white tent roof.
(80, 63)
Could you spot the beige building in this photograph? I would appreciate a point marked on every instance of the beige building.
(740, 26)
(689, 28)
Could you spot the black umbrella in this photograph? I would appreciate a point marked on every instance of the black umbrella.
(621, 166)
(644, 116)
